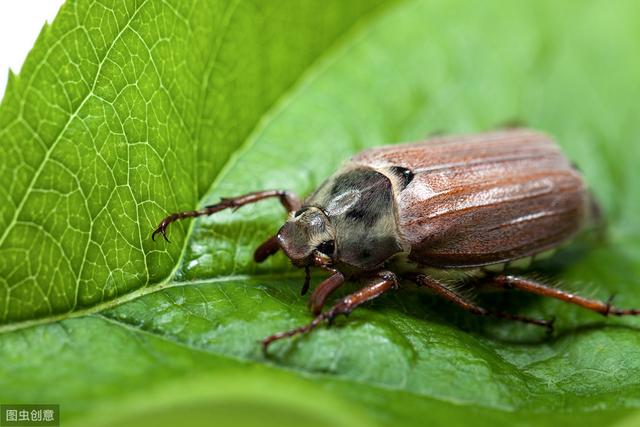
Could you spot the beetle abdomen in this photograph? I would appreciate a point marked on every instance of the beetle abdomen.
(484, 199)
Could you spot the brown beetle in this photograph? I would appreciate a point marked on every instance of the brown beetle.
(413, 210)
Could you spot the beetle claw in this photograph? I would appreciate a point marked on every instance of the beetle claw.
(264, 343)
(162, 229)
(549, 326)
(609, 304)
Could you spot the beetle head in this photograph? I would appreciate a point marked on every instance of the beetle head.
(308, 238)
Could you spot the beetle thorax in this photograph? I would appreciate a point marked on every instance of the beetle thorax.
(359, 204)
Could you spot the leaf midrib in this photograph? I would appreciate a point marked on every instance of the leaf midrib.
(137, 293)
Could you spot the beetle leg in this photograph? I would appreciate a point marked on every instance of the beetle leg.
(289, 200)
(442, 290)
(605, 308)
(323, 290)
(266, 249)
(382, 282)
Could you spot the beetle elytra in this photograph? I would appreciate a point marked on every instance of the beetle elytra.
(462, 202)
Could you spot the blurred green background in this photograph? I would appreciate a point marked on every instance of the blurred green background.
(127, 110)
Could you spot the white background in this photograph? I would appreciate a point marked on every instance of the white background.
(20, 24)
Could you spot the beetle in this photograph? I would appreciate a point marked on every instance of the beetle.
(412, 211)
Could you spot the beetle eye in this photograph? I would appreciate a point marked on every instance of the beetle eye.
(300, 212)
(327, 247)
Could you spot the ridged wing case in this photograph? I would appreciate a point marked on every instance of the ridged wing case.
(484, 199)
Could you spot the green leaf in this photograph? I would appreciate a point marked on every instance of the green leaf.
(163, 332)
(127, 109)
